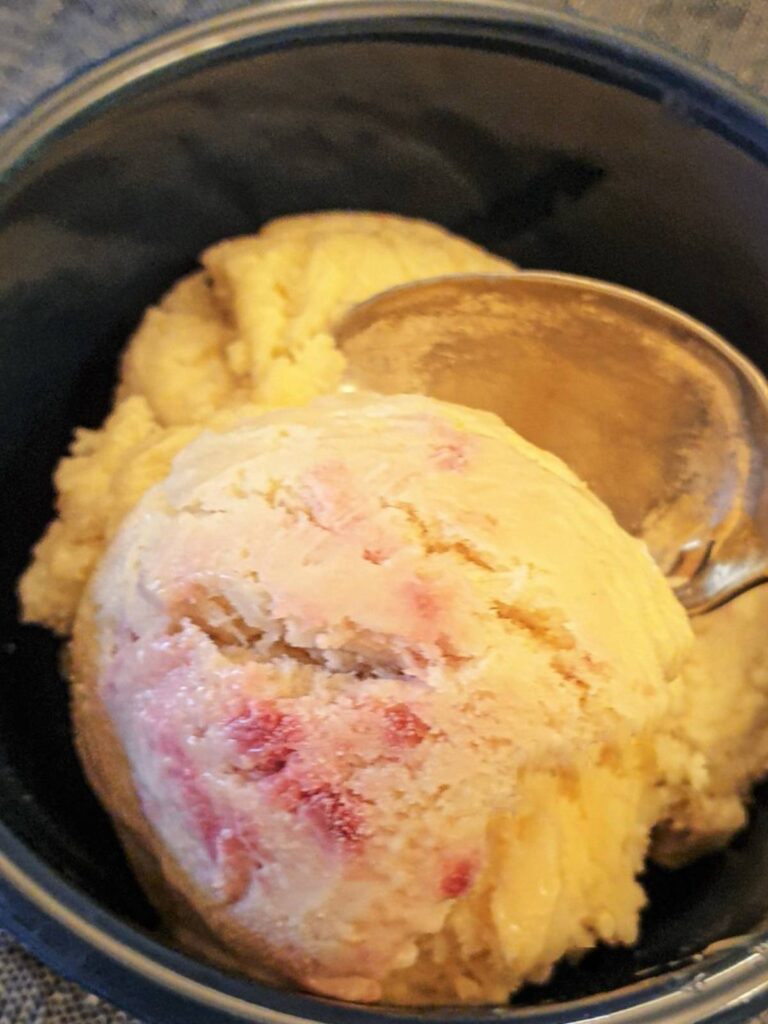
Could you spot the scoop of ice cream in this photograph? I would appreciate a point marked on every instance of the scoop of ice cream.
(253, 327)
(374, 688)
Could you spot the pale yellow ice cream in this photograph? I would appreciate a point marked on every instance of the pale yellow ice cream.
(377, 665)
(251, 330)
(381, 698)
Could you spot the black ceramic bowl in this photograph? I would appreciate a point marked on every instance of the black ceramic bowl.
(535, 135)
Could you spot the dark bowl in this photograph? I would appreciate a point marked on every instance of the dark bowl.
(536, 135)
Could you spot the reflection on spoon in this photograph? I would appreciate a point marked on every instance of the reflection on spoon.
(664, 420)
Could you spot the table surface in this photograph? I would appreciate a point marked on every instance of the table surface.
(43, 42)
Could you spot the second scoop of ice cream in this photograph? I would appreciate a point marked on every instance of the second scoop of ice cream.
(337, 653)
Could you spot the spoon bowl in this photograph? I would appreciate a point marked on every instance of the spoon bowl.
(660, 416)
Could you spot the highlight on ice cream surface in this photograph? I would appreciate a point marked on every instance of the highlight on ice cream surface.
(383, 702)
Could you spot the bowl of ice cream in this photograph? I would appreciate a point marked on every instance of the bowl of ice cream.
(386, 710)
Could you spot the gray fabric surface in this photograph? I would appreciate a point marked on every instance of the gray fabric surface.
(44, 42)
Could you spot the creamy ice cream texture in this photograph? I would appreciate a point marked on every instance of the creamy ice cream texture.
(382, 700)
(249, 332)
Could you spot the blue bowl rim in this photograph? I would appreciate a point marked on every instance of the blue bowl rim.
(70, 931)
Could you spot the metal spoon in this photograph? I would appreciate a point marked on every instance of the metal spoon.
(664, 420)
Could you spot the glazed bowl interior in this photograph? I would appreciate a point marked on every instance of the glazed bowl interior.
(553, 160)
